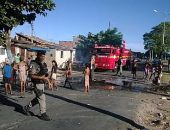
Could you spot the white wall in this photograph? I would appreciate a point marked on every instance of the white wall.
(73, 55)
(66, 57)
(3, 56)
(17, 50)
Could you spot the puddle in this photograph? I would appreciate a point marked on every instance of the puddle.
(103, 86)
(109, 87)
(118, 84)
(137, 89)
(113, 87)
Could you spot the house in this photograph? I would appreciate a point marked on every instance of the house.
(61, 52)
(64, 52)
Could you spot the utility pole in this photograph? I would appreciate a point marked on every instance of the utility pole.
(164, 29)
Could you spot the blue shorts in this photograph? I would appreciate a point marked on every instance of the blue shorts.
(7, 80)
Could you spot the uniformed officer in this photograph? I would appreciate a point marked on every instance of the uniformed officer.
(39, 75)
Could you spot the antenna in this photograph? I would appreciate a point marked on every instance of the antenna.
(109, 25)
(32, 31)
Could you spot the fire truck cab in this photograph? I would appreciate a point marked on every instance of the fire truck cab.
(108, 55)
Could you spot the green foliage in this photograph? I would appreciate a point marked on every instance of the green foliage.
(108, 37)
(2, 38)
(17, 12)
(154, 39)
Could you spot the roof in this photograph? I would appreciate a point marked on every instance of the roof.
(34, 42)
(35, 39)
(67, 44)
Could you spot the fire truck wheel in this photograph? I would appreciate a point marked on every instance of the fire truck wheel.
(96, 70)
(113, 70)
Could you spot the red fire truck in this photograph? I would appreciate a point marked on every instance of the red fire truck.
(108, 55)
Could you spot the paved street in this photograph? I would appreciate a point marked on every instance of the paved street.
(73, 109)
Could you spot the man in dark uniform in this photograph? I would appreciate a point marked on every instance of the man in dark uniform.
(39, 75)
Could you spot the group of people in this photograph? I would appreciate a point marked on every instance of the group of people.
(10, 73)
(88, 74)
(37, 71)
(19, 69)
(152, 70)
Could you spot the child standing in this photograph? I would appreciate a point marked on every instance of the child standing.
(86, 78)
(7, 71)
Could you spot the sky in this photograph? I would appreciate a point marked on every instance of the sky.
(132, 18)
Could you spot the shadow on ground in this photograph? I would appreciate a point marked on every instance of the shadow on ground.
(5, 100)
(122, 118)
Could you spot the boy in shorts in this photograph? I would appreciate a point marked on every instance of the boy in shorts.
(7, 71)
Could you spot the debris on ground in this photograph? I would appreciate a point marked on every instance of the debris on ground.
(154, 113)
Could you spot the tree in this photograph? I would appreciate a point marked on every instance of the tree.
(83, 42)
(17, 12)
(154, 39)
(108, 37)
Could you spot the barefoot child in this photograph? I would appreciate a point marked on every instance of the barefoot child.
(86, 78)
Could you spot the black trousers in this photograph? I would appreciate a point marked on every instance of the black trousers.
(67, 81)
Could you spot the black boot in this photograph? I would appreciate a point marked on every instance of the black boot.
(26, 110)
(44, 117)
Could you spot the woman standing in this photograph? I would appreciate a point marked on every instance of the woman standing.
(22, 67)
(92, 67)
(53, 76)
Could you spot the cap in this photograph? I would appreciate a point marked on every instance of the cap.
(41, 52)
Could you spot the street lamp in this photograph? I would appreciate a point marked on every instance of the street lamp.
(163, 34)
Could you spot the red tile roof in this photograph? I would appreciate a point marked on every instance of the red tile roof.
(68, 44)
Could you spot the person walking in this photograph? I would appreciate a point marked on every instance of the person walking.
(160, 74)
(7, 73)
(134, 67)
(53, 75)
(119, 65)
(67, 77)
(146, 69)
(92, 67)
(86, 78)
(39, 75)
(153, 71)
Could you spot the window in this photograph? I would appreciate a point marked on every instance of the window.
(2, 51)
(61, 56)
(103, 51)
